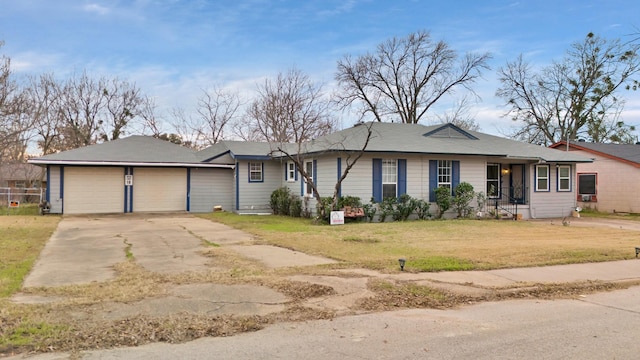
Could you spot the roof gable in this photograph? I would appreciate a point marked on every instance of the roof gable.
(449, 131)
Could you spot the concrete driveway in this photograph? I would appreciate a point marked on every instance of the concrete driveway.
(83, 249)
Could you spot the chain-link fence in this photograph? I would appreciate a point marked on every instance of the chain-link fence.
(14, 199)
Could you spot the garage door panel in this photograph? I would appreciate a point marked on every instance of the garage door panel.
(93, 190)
(159, 189)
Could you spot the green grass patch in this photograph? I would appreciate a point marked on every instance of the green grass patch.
(439, 263)
(21, 240)
(364, 240)
(29, 334)
(23, 209)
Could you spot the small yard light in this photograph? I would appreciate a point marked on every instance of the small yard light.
(402, 261)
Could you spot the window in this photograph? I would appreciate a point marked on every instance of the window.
(291, 171)
(389, 178)
(308, 166)
(255, 172)
(587, 184)
(444, 173)
(493, 180)
(20, 184)
(564, 178)
(542, 177)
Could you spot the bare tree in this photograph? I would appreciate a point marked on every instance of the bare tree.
(81, 110)
(217, 110)
(459, 115)
(576, 97)
(13, 122)
(290, 108)
(405, 77)
(43, 98)
(122, 102)
(296, 153)
(182, 124)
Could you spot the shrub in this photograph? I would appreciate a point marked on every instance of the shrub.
(370, 210)
(387, 208)
(443, 200)
(481, 199)
(422, 209)
(463, 194)
(325, 202)
(404, 207)
(352, 201)
(295, 206)
(280, 201)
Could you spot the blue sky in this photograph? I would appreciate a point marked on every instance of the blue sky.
(174, 48)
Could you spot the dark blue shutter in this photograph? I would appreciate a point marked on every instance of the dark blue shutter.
(296, 171)
(433, 179)
(402, 177)
(455, 176)
(339, 160)
(377, 180)
(286, 171)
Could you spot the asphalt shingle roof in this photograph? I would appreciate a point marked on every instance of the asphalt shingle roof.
(437, 139)
(133, 149)
(627, 152)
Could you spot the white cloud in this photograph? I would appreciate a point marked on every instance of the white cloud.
(96, 8)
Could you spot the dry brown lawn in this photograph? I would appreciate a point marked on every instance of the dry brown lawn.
(443, 245)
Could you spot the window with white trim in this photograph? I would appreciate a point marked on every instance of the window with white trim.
(389, 178)
(564, 178)
(542, 177)
(308, 189)
(493, 180)
(291, 171)
(444, 173)
(255, 172)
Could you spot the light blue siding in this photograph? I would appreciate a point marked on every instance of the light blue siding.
(209, 188)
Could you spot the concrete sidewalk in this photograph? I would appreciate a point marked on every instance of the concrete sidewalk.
(613, 271)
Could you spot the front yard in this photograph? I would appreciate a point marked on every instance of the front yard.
(443, 244)
(426, 245)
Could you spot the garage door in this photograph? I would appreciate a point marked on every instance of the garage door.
(157, 189)
(93, 190)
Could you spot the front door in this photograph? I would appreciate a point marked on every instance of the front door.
(516, 184)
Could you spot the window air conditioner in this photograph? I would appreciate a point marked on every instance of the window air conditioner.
(586, 198)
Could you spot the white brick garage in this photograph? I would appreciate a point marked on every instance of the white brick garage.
(93, 190)
(159, 189)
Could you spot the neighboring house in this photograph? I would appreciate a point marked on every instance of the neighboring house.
(240, 176)
(21, 182)
(610, 183)
(22, 175)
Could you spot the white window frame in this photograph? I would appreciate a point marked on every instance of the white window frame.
(291, 171)
(545, 178)
(567, 178)
(308, 190)
(256, 168)
(496, 180)
(445, 173)
(390, 176)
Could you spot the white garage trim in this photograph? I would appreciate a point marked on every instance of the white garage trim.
(159, 189)
(93, 190)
